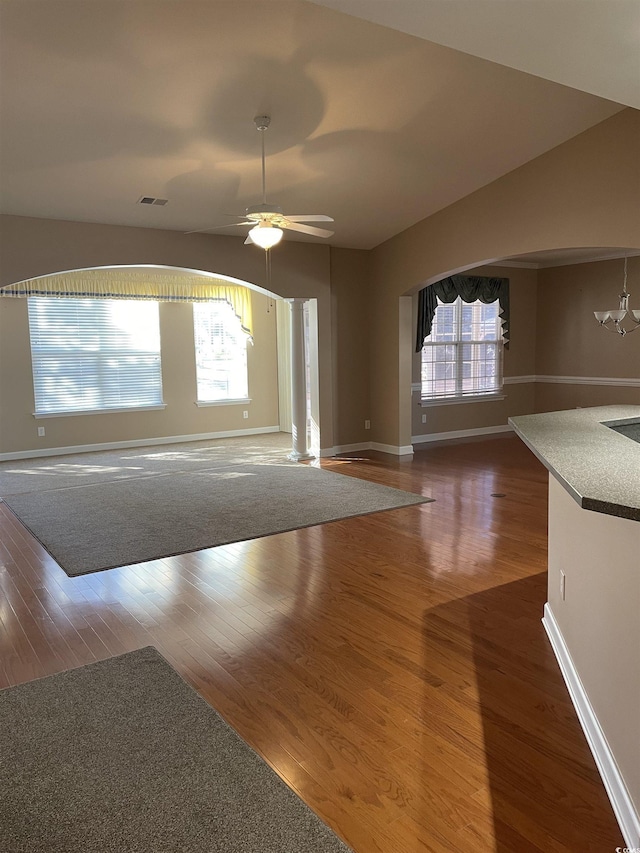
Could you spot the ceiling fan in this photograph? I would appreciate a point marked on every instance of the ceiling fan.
(268, 220)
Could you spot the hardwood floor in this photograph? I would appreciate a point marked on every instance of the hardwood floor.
(392, 668)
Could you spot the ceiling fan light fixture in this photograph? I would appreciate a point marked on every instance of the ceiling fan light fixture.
(266, 235)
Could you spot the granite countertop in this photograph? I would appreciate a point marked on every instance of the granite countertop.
(599, 467)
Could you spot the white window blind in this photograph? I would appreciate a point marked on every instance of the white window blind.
(462, 357)
(221, 352)
(94, 354)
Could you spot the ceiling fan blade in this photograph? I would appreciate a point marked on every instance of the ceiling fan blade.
(306, 229)
(217, 227)
(309, 217)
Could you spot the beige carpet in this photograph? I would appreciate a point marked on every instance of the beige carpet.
(99, 511)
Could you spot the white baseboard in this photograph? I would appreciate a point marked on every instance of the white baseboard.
(403, 450)
(140, 442)
(395, 450)
(459, 433)
(624, 810)
(406, 450)
(344, 448)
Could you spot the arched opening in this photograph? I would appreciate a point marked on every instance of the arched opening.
(558, 357)
(200, 390)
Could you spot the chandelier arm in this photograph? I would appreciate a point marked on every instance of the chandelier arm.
(620, 329)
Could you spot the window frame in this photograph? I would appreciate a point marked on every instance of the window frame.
(101, 357)
(460, 396)
(220, 401)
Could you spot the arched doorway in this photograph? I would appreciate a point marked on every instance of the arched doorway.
(177, 291)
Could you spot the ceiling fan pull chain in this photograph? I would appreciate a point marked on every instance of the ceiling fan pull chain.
(267, 260)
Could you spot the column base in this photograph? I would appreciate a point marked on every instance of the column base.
(294, 456)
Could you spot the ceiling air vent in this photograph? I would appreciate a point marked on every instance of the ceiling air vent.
(147, 199)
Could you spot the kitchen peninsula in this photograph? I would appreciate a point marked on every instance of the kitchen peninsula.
(592, 614)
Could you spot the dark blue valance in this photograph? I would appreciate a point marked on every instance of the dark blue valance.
(470, 288)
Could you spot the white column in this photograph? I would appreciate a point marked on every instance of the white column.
(283, 337)
(300, 449)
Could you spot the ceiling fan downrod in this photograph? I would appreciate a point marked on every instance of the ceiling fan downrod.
(268, 221)
(262, 123)
(266, 232)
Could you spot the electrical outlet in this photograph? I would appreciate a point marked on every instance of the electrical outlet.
(40, 432)
(367, 424)
(424, 419)
(245, 414)
(563, 585)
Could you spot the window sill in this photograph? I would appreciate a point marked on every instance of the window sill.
(456, 401)
(65, 413)
(237, 401)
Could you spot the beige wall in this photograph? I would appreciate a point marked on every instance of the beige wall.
(582, 193)
(336, 278)
(554, 397)
(569, 342)
(32, 247)
(18, 427)
(350, 284)
(519, 360)
(598, 618)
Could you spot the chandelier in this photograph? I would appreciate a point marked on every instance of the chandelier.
(613, 320)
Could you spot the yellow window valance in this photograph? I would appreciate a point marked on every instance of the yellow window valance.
(140, 283)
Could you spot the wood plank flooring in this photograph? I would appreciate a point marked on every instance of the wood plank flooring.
(391, 668)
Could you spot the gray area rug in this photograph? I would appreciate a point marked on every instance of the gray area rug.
(96, 511)
(122, 756)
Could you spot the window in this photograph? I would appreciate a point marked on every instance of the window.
(462, 357)
(94, 354)
(221, 353)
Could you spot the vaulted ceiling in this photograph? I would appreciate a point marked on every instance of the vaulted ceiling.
(593, 46)
(106, 101)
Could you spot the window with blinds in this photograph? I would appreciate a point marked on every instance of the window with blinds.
(462, 357)
(94, 354)
(221, 353)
